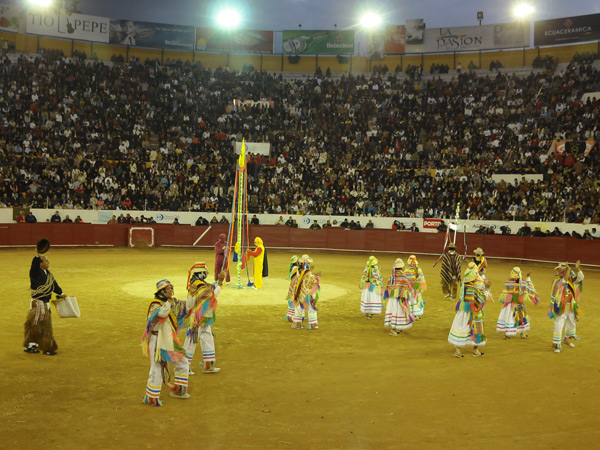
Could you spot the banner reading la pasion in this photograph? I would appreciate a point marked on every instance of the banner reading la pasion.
(318, 42)
(250, 41)
(567, 30)
(153, 35)
(486, 37)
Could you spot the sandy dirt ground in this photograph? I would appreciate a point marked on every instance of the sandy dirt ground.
(347, 385)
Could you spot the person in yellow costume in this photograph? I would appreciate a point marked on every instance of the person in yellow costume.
(260, 262)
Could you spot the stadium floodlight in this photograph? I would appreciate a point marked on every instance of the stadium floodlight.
(40, 3)
(228, 18)
(370, 20)
(523, 10)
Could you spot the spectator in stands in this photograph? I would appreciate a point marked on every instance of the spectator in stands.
(224, 219)
(280, 221)
(214, 220)
(176, 221)
(21, 218)
(294, 224)
(595, 233)
(442, 227)
(55, 218)
(202, 222)
(414, 227)
(525, 230)
(67, 219)
(30, 218)
(358, 225)
(556, 232)
(587, 235)
(481, 230)
(289, 222)
(537, 232)
(254, 220)
(314, 225)
(345, 223)
(78, 219)
(369, 224)
(505, 229)
(113, 220)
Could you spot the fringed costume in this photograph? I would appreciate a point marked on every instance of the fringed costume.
(414, 273)
(38, 323)
(293, 272)
(202, 298)
(564, 309)
(450, 273)
(398, 293)
(468, 325)
(160, 342)
(481, 263)
(371, 285)
(513, 316)
(306, 295)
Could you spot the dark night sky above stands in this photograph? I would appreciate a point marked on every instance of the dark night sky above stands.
(323, 14)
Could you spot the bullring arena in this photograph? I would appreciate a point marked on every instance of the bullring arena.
(117, 136)
(346, 385)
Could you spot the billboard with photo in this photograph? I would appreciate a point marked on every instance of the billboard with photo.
(66, 24)
(318, 42)
(153, 35)
(10, 18)
(567, 30)
(485, 37)
(395, 40)
(243, 41)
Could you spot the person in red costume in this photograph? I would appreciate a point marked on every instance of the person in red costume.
(220, 247)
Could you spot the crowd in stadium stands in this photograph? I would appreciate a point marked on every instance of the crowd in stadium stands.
(133, 136)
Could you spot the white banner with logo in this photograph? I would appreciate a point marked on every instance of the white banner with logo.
(10, 17)
(62, 23)
(485, 37)
(263, 148)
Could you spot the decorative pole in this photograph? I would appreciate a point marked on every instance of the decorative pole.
(240, 212)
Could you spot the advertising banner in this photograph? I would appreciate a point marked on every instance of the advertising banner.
(567, 30)
(320, 42)
(375, 44)
(575, 148)
(65, 24)
(485, 37)
(395, 40)
(243, 41)
(10, 18)
(153, 35)
(431, 223)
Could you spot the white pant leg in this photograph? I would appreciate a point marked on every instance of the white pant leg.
(190, 347)
(313, 322)
(298, 314)
(154, 383)
(571, 324)
(207, 343)
(559, 323)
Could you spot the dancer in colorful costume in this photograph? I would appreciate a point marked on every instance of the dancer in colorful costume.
(468, 327)
(414, 273)
(293, 272)
(306, 294)
(513, 316)
(481, 262)
(201, 315)
(160, 342)
(450, 273)
(260, 262)
(397, 293)
(371, 285)
(564, 310)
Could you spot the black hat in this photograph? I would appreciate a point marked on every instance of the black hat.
(43, 245)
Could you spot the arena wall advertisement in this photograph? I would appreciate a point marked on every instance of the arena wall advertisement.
(567, 30)
(318, 42)
(261, 148)
(250, 41)
(64, 24)
(485, 37)
(147, 34)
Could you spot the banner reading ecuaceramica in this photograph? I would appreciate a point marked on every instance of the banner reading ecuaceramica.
(153, 35)
(318, 42)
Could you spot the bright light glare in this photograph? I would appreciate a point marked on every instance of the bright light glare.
(40, 3)
(523, 10)
(228, 18)
(370, 20)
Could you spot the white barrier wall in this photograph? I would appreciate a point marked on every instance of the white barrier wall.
(189, 218)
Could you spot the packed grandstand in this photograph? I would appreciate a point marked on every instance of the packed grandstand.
(80, 134)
